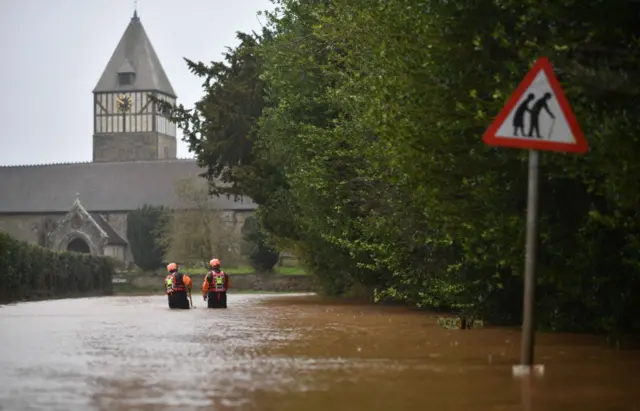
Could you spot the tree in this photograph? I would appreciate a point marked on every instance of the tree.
(260, 255)
(142, 233)
(366, 156)
(397, 188)
(198, 231)
(220, 129)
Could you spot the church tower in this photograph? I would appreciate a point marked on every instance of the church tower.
(128, 126)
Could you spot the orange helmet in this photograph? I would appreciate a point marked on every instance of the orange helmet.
(172, 267)
(215, 262)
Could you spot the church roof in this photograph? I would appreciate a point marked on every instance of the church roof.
(135, 52)
(113, 238)
(103, 187)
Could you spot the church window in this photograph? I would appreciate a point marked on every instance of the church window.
(126, 79)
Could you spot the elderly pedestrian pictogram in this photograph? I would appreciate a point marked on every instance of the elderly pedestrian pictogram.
(538, 116)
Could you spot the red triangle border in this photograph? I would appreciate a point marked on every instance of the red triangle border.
(579, 147)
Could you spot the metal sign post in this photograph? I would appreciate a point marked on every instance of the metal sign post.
(528, 323)
(538, 104)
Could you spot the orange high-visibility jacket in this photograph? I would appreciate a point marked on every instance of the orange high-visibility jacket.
(187, 281)
(206, 285)
(185, 278)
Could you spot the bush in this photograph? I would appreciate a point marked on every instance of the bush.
(260, 256)
(32, 272)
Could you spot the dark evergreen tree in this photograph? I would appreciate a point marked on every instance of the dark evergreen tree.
(143, 233)
(260, 255)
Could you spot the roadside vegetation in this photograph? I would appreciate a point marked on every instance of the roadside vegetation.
(32, 272)
(356, 127)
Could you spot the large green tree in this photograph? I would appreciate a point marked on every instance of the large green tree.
(457, 68)
(416, 83)
(255, 246)
(331, 186)
(220, 128)
(144, 230)
(364, 151)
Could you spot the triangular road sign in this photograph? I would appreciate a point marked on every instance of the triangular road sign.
(538, 116)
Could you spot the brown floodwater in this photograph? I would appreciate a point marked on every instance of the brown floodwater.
(269, 352)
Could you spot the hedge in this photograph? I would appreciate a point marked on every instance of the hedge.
(30, 272)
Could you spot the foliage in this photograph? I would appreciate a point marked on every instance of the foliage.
(32, 272)
(365, 152)
(199, 230)
(220, 128)
(261, 256)
(143, 227)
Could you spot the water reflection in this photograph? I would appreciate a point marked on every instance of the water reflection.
(288, 353)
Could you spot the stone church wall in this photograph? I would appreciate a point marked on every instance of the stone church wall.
(31, 228)
(77, 226)
(126, 147)
(118, 221)
(116, 251)
(34, 227)
(166, 147)
(240, 217)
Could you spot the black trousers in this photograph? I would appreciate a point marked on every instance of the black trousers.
(179, 299)
(217, 299)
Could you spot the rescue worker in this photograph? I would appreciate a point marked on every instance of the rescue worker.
(178, 288)
(215, 286)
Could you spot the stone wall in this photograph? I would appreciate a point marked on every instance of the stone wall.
(27, 227)
(243, 282)
(169, 143)
(117, 252)
(239, 219)
(118, 221)
(33, 228)
(76, 225)
(277, 283)
(125, 147)
(30, 227)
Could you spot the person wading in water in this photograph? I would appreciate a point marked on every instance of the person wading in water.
(215, 286)
(178, 288)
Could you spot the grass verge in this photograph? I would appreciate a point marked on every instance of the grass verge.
(245, 270)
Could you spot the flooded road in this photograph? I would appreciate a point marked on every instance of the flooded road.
(269, 352)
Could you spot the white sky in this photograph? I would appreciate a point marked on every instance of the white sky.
(54, 51)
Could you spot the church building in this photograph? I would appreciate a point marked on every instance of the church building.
(84, 206)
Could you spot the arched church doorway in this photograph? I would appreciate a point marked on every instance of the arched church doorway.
(79, 246)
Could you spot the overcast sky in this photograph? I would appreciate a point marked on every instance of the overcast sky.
(54, 51)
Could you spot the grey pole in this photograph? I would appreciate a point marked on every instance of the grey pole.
(528, 320)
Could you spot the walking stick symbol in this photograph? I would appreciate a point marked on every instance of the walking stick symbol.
(553, 123)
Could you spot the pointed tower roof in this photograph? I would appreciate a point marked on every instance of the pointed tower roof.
(135, 53)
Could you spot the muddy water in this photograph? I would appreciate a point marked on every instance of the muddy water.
(288, 353)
